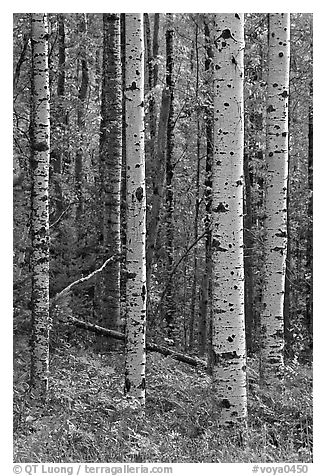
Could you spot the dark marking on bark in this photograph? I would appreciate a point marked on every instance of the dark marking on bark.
(284, 94)
(237, 16)
(225, 403)
(131, 275)
(221, 208)
(278, 248)
(143, 293)
(40, 146)
(281, 54)
(281, 234)
(139, 193)
(270, 108)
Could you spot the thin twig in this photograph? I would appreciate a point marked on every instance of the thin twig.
(59, 218)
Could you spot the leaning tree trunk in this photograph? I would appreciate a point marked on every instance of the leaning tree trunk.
(136, 209)
(272, 319)
(40, 135)
(228, 329)
(110, 166)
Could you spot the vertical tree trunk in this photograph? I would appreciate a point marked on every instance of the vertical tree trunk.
(204, 336)
(57, 152)
(157, 181)
(309, 251)
(136, 209)
(40, 134)
(248, 247)
(288, 350)
(110, 166)
(170, 311)
(228, 339)
(156, 31)
(82, 95)
(272, 319)
(197, 190)
(155, 168)
(123, 206)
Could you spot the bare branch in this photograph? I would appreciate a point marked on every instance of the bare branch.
(82, 280)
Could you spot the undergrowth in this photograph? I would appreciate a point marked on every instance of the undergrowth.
(88, 419)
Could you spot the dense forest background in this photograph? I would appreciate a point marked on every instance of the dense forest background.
(86, 417)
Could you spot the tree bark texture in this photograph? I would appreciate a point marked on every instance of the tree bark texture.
(110, 166)
(136, 210)
(169, 36)
(228, 327)
(272, 319)
(204, 336)
(40, 203)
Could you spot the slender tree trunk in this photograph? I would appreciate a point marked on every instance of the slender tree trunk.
(82, 96)
(197, 190)
(272, 319)
(228, 339)
(148, 55)
(248, 248)
(57, 152)
(170, 311)
(287, 285)
(204, 336)
(156, 151)
(110, 166)
(136, 210)
(40, 134)
(309, 250)
(156, 31)
(123, 279)
(157, 181)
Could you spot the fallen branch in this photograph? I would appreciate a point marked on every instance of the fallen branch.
(150, 346)
(82, 280)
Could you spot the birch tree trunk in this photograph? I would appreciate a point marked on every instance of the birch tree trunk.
(272, 319)
(169, 316)
(40, 135)
(228, 327)
(136, 209)
(110, 166)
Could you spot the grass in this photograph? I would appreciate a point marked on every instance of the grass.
(88, 419)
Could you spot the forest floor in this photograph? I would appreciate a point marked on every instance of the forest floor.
(88, 419)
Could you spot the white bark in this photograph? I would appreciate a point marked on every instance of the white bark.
(40, 200)
(228, 333)
(272, 319)
(136, 209)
